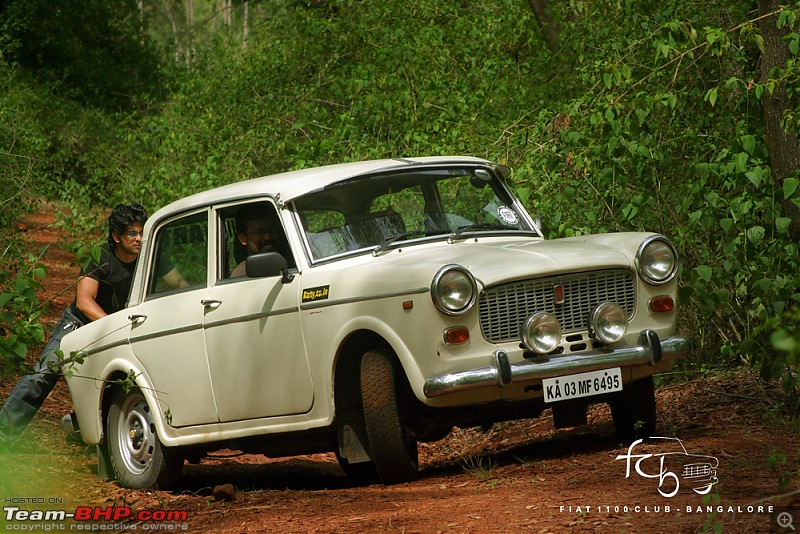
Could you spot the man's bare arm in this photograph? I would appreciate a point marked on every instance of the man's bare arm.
(174, 279)
(86, 294)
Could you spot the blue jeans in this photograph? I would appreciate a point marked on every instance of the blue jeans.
(31, 391)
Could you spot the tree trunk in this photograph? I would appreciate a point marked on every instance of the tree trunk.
(175, 30)
(140, 7)
(543, 11)
(189, 33)
(246, 23)
(782, 145)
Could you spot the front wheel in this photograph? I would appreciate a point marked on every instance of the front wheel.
(634, 409)
(393, 448)
(138, 458)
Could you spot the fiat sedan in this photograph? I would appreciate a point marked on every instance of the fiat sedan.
(363, 308)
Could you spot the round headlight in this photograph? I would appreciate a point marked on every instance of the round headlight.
(453, 290)
(609, 322)
(657, 260)
(541, 332)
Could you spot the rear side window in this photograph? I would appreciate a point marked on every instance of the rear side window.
(181, 258)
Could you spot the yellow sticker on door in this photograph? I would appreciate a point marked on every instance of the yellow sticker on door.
(316, 293)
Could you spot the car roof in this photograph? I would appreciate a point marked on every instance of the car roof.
(290, 185)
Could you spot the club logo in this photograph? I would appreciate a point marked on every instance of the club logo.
(673, 467)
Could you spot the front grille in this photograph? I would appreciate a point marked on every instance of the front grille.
(696, 470)
(504, 308)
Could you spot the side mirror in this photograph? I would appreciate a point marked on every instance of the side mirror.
(267, 265)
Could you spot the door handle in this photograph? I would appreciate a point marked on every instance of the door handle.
(210, 302)
(137, 318)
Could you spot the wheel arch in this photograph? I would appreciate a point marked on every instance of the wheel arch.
(113, 376)
(107, 394)
(347, 371)
(367, 333)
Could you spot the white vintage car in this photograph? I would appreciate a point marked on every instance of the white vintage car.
(404, 297)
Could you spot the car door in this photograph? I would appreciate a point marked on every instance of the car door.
(254, 340)
(167, 327)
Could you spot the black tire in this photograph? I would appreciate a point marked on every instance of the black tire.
(634, 410)
(392, 447)
(138, 458)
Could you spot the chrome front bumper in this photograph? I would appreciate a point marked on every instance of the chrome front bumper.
(648, 351)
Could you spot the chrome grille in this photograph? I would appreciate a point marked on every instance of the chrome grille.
(504, 308)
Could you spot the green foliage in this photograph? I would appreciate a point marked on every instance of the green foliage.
(66, 364)
(669, 137)
(19, 309)
(779, 463)
(89, 50)
(711, 523)
(320, 86)
(480, 467)
(647, 117)
(127, 384)
(780, 359)
(20, 272)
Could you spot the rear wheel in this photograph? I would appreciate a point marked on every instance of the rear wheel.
(634, 409)
(138, 458)
(393, 448)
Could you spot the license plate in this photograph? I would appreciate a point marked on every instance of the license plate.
(582, 385)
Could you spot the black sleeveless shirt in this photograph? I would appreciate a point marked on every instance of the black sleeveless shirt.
(114, 277)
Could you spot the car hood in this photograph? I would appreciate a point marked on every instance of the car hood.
(494, 260)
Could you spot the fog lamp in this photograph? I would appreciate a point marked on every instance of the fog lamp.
(541, 332)
(609, 322)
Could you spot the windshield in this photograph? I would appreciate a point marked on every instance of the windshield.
(373, 212)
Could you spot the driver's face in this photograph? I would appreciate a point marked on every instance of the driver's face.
(260, 236)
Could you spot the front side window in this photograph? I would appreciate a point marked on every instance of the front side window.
(181, 255)
(247, 229)
(368, 212)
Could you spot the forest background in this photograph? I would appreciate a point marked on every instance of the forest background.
(670, 116)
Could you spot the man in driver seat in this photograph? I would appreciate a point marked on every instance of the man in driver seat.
(256, 233)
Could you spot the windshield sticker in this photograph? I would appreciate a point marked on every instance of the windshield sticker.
(316, 293)
(507, 215)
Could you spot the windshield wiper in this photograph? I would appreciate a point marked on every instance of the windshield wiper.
(389, 240)
(476, 226)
